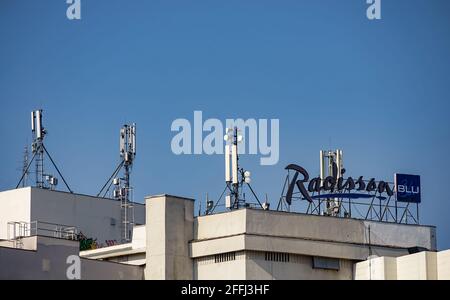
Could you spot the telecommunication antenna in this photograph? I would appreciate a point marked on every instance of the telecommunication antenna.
(331, 164)
(122, 189)
(235, 177)
(43, 180)
(232, 138)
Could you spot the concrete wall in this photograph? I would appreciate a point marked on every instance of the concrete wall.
(206, 268)
(220, 225)
(338, 229)
(137, 259)
(419, 266)
(299, 267)
(49, 262)
(253, 265)
(378, 268)
(28, 243)
(402, 235)
(255, 232)
(170, 224)
(258, 230)
(294, 225)
(139, 237)
(443, 267)
(89, 214)
(14, 206)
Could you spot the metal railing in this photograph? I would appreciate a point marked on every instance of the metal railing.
(19, 230)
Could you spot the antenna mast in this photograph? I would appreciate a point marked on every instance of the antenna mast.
(122, 188)
(39, 133)
(235, 177)
(331, 164)
(43, 180)
(232, 138)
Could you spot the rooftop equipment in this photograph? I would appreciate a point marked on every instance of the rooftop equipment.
(43, 180)
(235, 177)
(122, 190)
(331, 164)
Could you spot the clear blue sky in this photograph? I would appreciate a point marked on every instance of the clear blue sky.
(377, 89)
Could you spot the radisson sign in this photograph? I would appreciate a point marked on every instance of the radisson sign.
(336, 187)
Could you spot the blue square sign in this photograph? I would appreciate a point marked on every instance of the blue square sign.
(407, 188)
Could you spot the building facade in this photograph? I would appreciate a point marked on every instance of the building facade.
(243, 244)
(263, 244)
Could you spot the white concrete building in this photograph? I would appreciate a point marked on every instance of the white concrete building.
(41, 257)
(45, 212)
(258, 244)
(239, 244)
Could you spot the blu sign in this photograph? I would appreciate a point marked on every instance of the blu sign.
(408, 188)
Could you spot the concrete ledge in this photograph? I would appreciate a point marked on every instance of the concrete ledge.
(217, 246)
(289, 245)
(168, 196)
(311, 227)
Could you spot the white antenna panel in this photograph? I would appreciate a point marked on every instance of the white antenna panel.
(133, 138)
(122, 141)
(234, 163)
(227, 163)
(228, 201)
(33, 127)
(39, 124)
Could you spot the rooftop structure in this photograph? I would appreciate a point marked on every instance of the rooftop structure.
(35, 211)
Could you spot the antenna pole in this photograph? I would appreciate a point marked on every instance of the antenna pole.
(235, 169)
(122, 190)
(234, 180)
(39, 164)
(38, 150)
(370, 256)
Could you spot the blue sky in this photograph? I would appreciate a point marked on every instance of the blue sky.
(377, 89)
